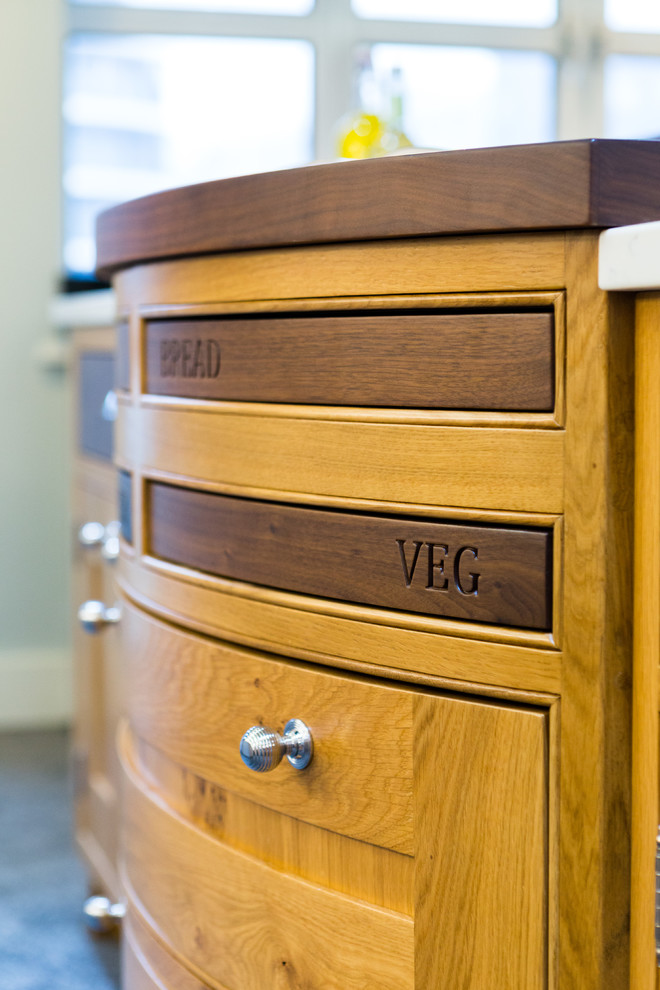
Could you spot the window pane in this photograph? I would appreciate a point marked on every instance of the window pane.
(632, 15)
(632, 96)
(471, 97)
(148, 113)
(227, 6)
(530, 13)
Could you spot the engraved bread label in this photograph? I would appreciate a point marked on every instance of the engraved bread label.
(189, 358)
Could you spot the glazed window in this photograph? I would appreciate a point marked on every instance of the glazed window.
(160, 93)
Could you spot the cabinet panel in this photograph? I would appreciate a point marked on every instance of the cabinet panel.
(481, 845)
(247, 925)
(460, 784)
(498, 361)
(147, 965)
(513, 470)
(495, 574)
(194, 698)
(97, 686)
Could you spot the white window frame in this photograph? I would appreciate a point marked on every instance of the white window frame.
(579, 41)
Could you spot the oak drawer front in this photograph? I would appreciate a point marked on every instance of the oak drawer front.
(246, 925)
(482, 361)
(493, 574)
(147, 964)
(193, 698)
(478, 885)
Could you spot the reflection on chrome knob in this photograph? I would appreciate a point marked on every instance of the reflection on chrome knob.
(101, 915)
(95, 534)
(110, 406)
(92, 534)
(110, 547)
(94, 616)
(262, 749)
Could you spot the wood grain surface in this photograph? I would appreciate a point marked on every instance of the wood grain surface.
(594, 881)
(148, 965)
(564, 185)
(382, 273)
(491, 574)
(97, 680)
(495, 360)
(480, 872)
(481, 856)
(646, 653)
(193, 698)
(468, 656)
(318, 855)
(253, 451)
(247, 924)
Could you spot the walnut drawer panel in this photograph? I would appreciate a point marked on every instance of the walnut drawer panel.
(500, 575)
(487, 361)
(96, 377)
(193, 698)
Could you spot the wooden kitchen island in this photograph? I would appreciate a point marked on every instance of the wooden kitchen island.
(378, 434)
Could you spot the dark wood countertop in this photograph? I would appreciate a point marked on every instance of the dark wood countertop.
(573, 184)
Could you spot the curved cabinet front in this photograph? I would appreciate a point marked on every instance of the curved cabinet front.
(374, 867)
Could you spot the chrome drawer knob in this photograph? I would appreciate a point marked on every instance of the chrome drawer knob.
(262, 749)
(94, 616)
(110, 545)
(95, 534)
(92, 534)
(102, 916)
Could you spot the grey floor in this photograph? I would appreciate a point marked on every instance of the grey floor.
(43, 942)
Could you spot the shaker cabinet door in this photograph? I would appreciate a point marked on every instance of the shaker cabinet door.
(410, 854)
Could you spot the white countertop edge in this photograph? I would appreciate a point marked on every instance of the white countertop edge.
(629, 258)
(96, 308)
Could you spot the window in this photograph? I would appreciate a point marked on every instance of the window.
(168, 92)
(530, 13)
(148, 112)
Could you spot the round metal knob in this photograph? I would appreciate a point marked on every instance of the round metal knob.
(262, 749)
(95, 534)
(102, 916)
(92, 534)
(110, 545)
(94, 616)
(110, 406)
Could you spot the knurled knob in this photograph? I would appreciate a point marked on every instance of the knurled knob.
(262, 749)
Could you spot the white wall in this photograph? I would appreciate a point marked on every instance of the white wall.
(35, 653)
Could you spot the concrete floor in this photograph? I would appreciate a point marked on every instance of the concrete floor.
(44, 944)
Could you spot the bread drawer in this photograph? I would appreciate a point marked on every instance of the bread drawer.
(457, 787)
(494, 574)
(419, 359)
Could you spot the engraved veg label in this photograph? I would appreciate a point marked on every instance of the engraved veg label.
(442, 566)
(189, 358)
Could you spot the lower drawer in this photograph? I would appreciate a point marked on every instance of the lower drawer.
(147, 964)
(254, 890)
